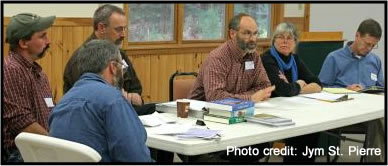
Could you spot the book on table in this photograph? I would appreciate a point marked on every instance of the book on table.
(230, 104)
(223, 119)
(237, 113)
(271, 120)
(231, 107)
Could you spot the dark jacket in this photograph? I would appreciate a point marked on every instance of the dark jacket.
(71, 73)
(283, 88)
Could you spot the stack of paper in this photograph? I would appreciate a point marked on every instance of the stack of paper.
(324, 96)
(200, 133)
(155, 119)
(338, 90)
(183, 131)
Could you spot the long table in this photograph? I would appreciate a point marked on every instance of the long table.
(310, 116)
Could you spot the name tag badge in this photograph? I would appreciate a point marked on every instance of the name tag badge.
(373, 76)
(49, 102)
(249, 65)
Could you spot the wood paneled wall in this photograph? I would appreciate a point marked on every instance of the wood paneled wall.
(153, 67)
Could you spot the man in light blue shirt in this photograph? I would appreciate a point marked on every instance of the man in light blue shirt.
(95, 113)
(355, 67)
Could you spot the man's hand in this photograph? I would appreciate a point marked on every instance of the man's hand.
(355, 87)
(263, 94)
(35, 128)
(133, 98)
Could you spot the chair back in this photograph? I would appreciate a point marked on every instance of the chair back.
(180, 88)
(41, 148)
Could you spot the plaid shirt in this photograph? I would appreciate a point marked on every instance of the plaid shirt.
(25, 87)
(225, 74)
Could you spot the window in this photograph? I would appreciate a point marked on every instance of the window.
(262, 14)
(150, 22)
(175, 25)
(204, 21)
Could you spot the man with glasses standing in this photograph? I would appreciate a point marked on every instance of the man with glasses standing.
(355, 67)
(110, 23)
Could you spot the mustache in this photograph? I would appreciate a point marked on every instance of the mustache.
(118, 41)
(40, 55)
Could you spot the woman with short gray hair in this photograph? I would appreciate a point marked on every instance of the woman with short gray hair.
(284, 68)
(291, 77)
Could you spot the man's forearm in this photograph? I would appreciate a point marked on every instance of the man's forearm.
(35, 128)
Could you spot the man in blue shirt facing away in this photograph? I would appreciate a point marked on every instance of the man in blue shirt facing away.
(355, 67)
(95, 113)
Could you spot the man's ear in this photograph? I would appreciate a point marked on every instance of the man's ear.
(112, 68)
(23, 43)
(101, 28)
(232, 33)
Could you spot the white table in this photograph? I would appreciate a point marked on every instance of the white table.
(309, 115)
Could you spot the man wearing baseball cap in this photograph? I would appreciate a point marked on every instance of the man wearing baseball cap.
(27, 95)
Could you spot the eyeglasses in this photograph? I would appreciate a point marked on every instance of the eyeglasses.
(249, 34)
(369, 45)
(285, 38)
(120, 29)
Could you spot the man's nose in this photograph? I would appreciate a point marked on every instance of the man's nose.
(48, 40)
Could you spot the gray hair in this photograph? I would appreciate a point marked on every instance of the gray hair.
(103, 13)
(235, 21)
(95, 56)
(285, 27)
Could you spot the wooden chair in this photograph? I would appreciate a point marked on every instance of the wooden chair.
(180, 88)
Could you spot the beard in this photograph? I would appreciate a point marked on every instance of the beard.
(118, 79)
(41, 55)
(249, 46)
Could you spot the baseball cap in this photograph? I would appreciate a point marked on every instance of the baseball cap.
(24, 24)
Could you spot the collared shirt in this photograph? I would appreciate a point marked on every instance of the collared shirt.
(342, 68)
(96, 114)
(228, 73)
(71, 73)
(25, 88)
(286, 87)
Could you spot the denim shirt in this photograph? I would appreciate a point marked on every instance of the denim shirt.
(96, 114)
(342, 68)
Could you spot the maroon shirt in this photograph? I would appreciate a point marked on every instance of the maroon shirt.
(25, 87)
(225, 73)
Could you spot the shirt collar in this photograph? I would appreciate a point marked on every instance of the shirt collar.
(236, 53)
(24, 62)
(94, 76)
(350, 52)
